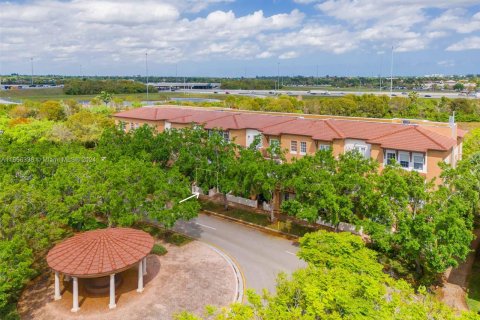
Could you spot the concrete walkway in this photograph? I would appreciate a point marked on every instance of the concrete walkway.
(453, 292)
(186, 278)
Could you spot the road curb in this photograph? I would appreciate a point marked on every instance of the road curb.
(240, 283)
(253, 225)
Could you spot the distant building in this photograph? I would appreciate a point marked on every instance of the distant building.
(171, 86)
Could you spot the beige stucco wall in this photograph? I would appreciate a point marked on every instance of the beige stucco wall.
(338, 147)
(433, 158)
(239, 137)
(180, 125)
(376, 153)
(286, 139)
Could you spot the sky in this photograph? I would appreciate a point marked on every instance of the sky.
(232, 38)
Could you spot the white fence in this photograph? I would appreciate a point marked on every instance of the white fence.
(342, 226)
(240, 200)
(266, 206)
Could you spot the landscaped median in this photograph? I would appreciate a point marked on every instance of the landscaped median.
(285, 227)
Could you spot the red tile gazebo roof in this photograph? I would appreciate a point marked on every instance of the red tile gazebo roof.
(100, 252)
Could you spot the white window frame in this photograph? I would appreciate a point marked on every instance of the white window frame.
(361, 148)
(399, 159)
(324, 147)
(274, 141)
(387, 152)
(424, 164)
(303, 144)
(292, 149)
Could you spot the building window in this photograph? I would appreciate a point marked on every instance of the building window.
(303, 147)
(324, 147)
(404, 159)
(226, 135)
(390, 156)
(274, 143)
(362, 149)
(293, 147)
(418, 161)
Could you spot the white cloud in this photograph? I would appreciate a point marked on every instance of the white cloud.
(104, 31)
(289, 55)
(446, 63)
(107, 30)
(457, 20)
(470, 43)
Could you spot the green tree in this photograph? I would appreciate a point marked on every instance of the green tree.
(458, 86)
(106, 97)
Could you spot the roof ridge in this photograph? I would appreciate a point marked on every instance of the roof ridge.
(401, 129)
(277, 124)
(335, 129)
(422, 131)
(235, 120)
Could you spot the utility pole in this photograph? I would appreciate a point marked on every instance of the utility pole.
(146, 70)
(278, 76)
(391, 75)
(316, 80)
(31, 66)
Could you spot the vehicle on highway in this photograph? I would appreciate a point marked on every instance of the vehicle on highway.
(226, 92)
(428, 96)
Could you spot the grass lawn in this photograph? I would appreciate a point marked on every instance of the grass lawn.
(473, 293)
(164, 234)
(258, 219)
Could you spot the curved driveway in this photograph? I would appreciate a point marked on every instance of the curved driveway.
(260, 256)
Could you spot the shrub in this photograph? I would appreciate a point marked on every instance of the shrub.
(159, 250)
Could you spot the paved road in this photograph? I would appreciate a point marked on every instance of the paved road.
(323, 93)
(260, 256)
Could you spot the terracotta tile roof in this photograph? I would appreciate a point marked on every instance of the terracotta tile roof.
(461, 133)
(388, 135)
(100, 252)
(414, 138)
(317, 129)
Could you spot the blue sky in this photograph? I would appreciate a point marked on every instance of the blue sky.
(240, 37)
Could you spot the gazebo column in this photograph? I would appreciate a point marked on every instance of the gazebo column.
(112, 304)
(145, 266)
(140, 277)
(58, 296)
(75, 295)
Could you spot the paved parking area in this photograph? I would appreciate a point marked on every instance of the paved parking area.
(186, 278)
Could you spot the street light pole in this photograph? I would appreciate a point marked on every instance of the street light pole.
(391, 75)
(31, 66)
(278, 76)
(146, 70)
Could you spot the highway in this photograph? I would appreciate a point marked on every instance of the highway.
(322, 93)
(259, 256)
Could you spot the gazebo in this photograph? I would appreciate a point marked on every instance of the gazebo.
(100, 253)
